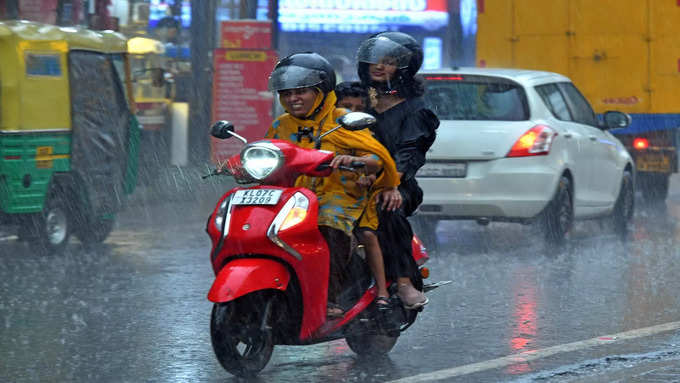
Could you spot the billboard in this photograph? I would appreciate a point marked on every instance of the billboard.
(360, 16)
(240, 95)
(246, 34)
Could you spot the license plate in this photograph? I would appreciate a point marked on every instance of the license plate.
(653, 162)
(256, 197)
(443, 169)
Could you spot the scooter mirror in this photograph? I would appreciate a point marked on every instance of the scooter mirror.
(222, 129)
(357, 120)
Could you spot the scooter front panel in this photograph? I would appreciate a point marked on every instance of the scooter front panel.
(247, 236)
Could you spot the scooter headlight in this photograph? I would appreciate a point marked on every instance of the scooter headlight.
(261, 160)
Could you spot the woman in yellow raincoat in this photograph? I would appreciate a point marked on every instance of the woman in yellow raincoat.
(305, 83)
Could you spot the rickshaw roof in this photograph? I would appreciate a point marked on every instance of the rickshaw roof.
(143, 45)
(76, 37)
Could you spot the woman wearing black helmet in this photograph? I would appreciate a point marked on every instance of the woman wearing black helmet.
(305, 83)
(388, 63)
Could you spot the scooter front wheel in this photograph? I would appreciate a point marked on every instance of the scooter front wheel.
(241, 334)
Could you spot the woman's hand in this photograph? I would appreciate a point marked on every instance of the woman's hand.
(366, 181)
(344, 160)
(391, 199)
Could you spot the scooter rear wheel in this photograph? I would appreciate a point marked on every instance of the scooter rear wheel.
(371, 345)
(241, 334)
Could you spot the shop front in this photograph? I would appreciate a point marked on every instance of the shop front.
(335, 29)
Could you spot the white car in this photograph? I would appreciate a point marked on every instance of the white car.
(521, 146)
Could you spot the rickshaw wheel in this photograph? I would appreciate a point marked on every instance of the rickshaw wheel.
(48, 232)
(95, 232)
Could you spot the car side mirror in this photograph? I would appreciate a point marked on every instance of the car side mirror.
(357, 121)
(616, 120)
(222, 129)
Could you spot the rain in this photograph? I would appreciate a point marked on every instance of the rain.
(115, 222)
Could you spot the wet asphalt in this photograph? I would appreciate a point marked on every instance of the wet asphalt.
(135, 310)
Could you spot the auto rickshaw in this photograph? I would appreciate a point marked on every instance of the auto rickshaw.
(153, 89)
(68, 134)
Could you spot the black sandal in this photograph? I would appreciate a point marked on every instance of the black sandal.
(334, 311)
(383, 303)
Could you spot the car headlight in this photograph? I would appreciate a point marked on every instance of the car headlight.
(261, 159)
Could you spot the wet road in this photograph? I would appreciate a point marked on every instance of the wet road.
(134, 309)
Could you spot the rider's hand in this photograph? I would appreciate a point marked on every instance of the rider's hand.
(391, 199)
(366, 181)
(343, 159)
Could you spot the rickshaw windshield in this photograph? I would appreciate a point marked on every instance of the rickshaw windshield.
(119, 66)
(147, 72)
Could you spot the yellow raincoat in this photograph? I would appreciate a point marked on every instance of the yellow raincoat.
(341, 201)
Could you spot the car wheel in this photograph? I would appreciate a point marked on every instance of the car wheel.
(558, 216)
(625, 205)
(654, 187)
(425, 227)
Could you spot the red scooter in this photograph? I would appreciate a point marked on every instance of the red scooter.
(272, 263)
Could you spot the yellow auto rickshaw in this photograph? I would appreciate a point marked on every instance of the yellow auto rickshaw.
(154, 92)
(68, 134)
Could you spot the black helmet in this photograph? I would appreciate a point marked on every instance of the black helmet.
(399, 48)
(302, 70)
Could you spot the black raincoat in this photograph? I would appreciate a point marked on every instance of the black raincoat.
(407, 130)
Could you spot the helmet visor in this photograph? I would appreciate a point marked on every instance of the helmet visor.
(293, 77)
(381, 50)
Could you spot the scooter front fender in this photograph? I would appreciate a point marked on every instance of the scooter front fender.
(242, 276)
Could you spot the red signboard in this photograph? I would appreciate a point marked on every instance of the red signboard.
(44, 11)
(240, 96)
(246, 34)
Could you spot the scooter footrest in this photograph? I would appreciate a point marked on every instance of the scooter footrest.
(432, 286)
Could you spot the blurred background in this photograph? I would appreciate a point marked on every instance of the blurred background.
(194, 62)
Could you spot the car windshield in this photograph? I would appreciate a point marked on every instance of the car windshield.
(475, 98)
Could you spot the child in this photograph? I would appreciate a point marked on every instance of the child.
(352, 96)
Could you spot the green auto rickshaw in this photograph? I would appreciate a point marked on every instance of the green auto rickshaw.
(68, 135)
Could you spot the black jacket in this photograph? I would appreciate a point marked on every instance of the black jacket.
(407, 130)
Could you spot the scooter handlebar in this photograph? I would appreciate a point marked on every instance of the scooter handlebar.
(354, 166)
(217, 172)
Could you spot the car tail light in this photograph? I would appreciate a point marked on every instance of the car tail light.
(640, 143)
(535, 142)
